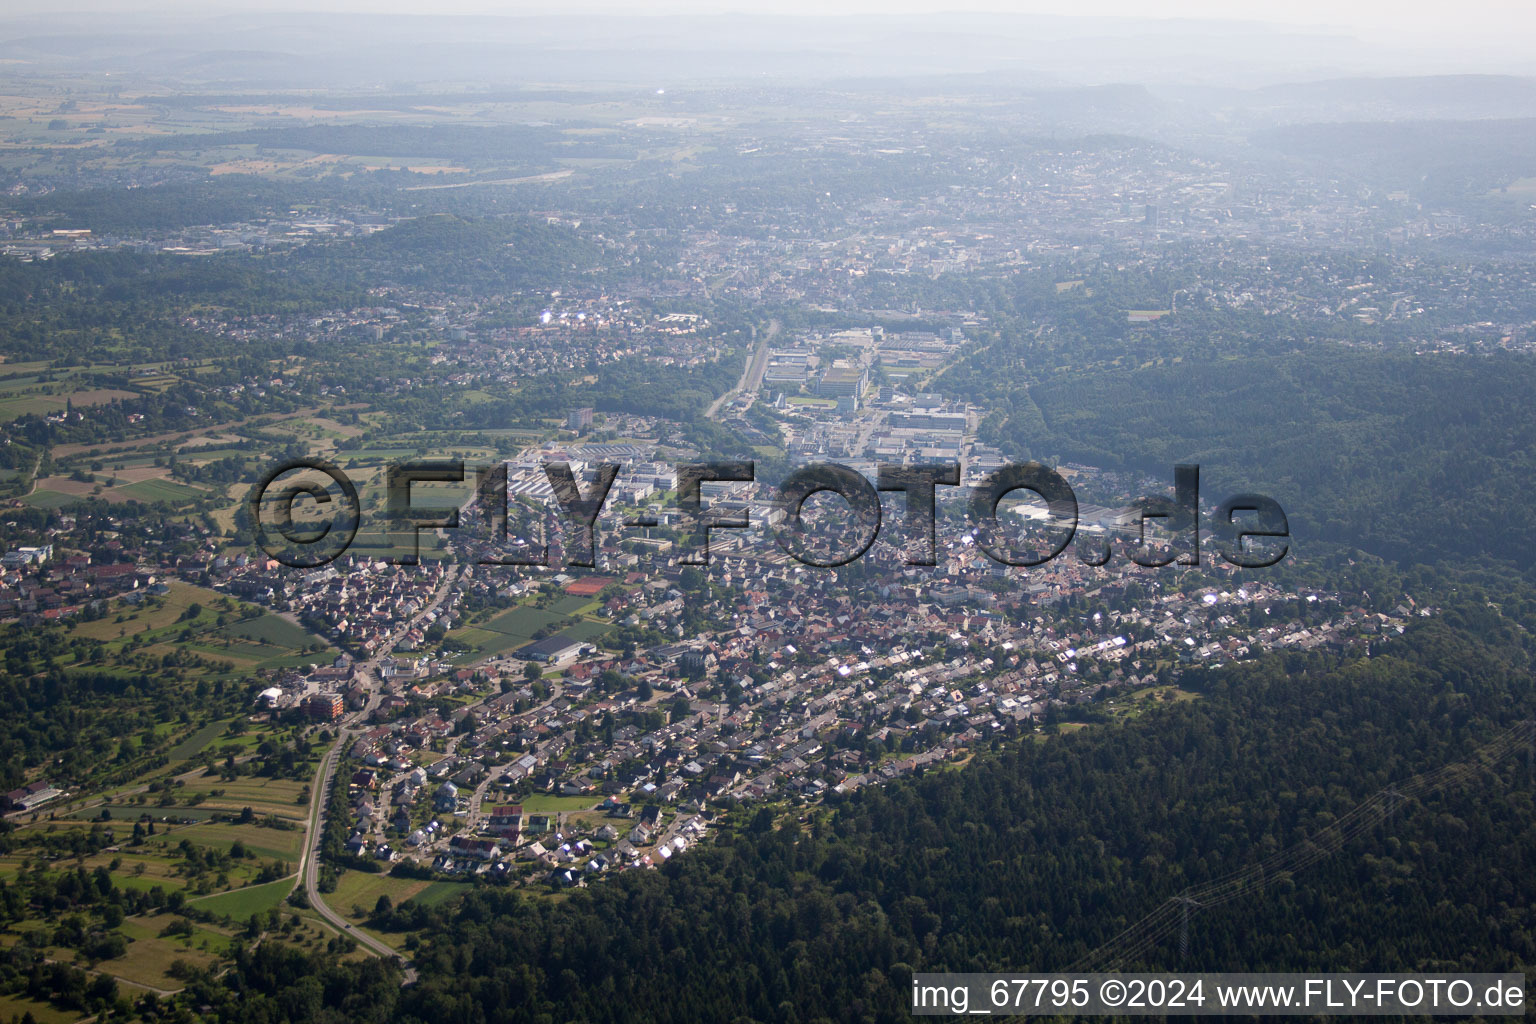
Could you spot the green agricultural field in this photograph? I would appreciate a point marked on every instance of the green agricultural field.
(240, 904)
(544, 803)
(362, 889)
(158, 869)
(19, 1007)
(440, 892)
(117, 462)
(155, 614)
(162, 490)
(149, 956)
(522, 622)
(508, 630)
(364, 454)
(375, 543)
(267, 843)
(263, 796)
(50, 499)
(55, 398)
(482, 640)
(197, 741)
(270, 629)
(265, 641)
(131, 812)
(588, 632)
(14, 407)
(570, 604)
(198, 458)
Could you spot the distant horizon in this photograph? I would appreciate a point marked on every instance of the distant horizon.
(1189, 42)
(1489, 19)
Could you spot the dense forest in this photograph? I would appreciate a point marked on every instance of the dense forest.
(1417, 458)
(1028, 858)
(457, 254)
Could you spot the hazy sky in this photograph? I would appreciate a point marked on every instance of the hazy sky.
(1503, 20)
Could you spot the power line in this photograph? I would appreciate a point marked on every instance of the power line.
(1370, 812)
(1184, 903)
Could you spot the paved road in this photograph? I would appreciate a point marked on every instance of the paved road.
(309, 864)
(477, 800)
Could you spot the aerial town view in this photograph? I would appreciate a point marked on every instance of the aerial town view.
(731, 516)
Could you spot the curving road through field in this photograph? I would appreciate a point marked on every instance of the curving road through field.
(309, 862)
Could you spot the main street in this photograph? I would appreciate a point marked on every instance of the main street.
(309, 864)
(310, 868)
(474, 816)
